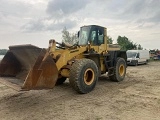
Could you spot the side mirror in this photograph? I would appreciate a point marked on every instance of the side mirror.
(78, 34)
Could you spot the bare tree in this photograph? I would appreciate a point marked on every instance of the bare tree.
(67, 37)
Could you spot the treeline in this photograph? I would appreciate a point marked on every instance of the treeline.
(3, 51)
(127, 44)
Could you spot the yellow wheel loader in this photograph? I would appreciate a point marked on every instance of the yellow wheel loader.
(27, 67)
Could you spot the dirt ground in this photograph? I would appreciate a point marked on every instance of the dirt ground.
(137, 97)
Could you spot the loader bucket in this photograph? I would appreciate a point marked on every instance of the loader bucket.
(27, 67)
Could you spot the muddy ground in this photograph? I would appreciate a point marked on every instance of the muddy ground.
(137, 97)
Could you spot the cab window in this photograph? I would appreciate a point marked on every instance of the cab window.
(100, 37)
(97, 37)
(94, 37)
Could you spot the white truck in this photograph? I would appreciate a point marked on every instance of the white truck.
(135, 57)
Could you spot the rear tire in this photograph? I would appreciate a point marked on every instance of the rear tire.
(119, 71)
(83, 75)
(146, 62)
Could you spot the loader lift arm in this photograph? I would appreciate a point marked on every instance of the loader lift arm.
(64, 56)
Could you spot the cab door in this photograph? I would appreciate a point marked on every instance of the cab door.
(97, 39)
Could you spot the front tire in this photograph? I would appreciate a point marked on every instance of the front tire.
(83, 75)
(119, 71)
(136, 63)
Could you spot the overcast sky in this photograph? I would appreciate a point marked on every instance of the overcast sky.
(37, 21)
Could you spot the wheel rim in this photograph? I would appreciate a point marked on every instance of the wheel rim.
(89, 76)
(121, 70)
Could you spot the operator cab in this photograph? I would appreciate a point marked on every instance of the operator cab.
(92, 34)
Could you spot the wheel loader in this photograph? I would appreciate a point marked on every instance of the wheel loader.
(27, 67)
